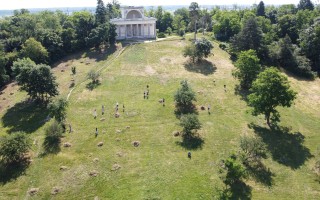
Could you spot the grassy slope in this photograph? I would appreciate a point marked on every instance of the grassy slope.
(159, 167)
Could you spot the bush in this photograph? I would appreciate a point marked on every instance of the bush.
(58, 109)
(223, 46)
(190, 124)
(13, 147)
(252, 149)
(73, 69)
(161, 35)
(181, 32)
(94, 76)
(169, 31)
(53, 133)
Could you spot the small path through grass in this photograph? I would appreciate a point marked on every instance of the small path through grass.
(103, 67)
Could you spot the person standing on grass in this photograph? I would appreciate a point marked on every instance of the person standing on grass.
(96, 132)
(102, 109)
(95, 113)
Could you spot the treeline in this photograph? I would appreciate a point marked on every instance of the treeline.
(287, 36)
(46, 37)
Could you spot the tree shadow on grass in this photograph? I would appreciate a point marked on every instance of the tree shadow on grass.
(25, 116)
(12, 171)
(286, 148)
(92, 85)
(260, 173)
(243, 93)
(203, 67)
(239, 190)
(191, 143)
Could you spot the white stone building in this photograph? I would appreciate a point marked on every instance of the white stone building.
(134, 25)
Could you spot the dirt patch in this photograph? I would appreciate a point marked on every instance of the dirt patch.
(165, 60)
(150, 71)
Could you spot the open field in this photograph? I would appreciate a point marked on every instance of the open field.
(159, 168)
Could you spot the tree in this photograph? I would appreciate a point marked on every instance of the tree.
(252, 150)
(310, 44)
(3, 73)
(13, 147)
(290, 58)
(158, 15)
(247, 68)
(94, 76)
(250, 37)
(270, 90)
(58, 109)
(184, 98)
(53, 134)
(226, 25)
(103, 34)
(190, 124)
(101, 13)
(194, 12)
(199, 50)
(37, 80)
(287, 25)
(232, 172)
(178, 23)
(35, 51)
(260, 9)
(305, 5)
(166, 21)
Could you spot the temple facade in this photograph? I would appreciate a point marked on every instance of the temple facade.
(134, 25)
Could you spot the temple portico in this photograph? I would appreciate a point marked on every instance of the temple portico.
(134, 25)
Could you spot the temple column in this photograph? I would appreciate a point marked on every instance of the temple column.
(155, 31)
(131, 30)
(125, 31)
(148, 30)
(143, 30)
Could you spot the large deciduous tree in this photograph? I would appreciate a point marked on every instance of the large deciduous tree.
(247, 68)
(35, 51)
(37, 80)
(270, 90)
(190, 124)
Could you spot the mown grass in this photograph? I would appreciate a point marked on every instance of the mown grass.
(159, 168)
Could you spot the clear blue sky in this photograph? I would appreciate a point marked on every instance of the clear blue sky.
(17, 4)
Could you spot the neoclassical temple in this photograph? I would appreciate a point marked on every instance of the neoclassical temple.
(134, 25)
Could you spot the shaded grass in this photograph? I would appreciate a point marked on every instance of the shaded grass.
(25, 116)
(285, 147)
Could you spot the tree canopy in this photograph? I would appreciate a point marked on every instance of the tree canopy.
(270, 90)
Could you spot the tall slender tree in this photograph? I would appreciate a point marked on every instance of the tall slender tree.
(260, 9)
(101, 13)
(194, 13)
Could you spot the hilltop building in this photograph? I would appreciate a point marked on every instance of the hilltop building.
(134, 25)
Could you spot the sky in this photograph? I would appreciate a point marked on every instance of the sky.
(18, 4)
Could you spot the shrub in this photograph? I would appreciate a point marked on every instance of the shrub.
(58, 109)
(53, 133)
(73, 69)
(94, 76)
(13, 147)
(190, 124)
(161, 35)
(252, 149)
(223, 46)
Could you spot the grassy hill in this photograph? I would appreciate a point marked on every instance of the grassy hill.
(159, 168)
